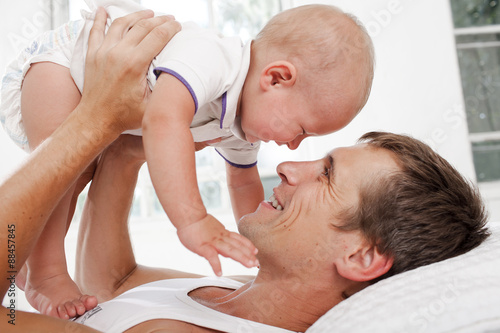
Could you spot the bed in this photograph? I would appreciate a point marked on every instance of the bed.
(461, 294)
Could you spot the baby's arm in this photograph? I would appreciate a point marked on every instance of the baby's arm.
(169, 148)
(245, 189)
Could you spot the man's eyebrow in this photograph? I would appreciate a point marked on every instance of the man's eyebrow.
(331, 169)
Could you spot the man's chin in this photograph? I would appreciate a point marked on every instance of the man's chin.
(247, 225)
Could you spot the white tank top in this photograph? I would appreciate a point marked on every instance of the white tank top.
(168, 299)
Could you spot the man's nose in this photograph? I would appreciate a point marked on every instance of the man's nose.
(290, 172)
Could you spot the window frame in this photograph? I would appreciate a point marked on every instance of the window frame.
(479, 137)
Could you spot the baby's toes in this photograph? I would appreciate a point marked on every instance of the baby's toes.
(89, 302)
(79, 307)
(62, 311)
(52, 311)
(70, 309)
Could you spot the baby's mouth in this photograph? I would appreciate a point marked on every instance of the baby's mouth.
(274, 202)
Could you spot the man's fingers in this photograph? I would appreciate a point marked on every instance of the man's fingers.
(122, 25)
(202, 145)
(154, 42)
(98, 30)
(142, 28)
(209, 142)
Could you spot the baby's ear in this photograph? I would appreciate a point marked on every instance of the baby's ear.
(279, 73)
(363, 263)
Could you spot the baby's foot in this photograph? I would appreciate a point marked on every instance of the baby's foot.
(58, 296)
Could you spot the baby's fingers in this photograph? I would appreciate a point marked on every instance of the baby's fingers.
(234, 248)
(209, 253)
(244, 242)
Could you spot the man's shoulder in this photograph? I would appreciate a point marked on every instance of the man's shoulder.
(166, 326)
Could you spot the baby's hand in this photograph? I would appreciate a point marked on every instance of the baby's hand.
(208, 238)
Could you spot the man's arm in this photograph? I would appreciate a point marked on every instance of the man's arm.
(106, 265)
(112, 101)
(245, 189)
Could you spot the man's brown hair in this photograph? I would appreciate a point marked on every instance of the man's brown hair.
(423, 214)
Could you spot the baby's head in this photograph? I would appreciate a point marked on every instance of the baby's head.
(310, 73)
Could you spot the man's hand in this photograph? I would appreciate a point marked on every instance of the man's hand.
(208, 238)
(201, 145)
(116, 66)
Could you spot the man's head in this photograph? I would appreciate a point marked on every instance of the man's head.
(384, 206)
(425, 213)
(296, 231)
(311, 72)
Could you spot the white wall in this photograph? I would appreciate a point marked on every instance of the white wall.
(21, 21)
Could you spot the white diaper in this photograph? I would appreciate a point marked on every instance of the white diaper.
(53, 46)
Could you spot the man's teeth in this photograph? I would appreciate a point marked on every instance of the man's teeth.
(274, 202)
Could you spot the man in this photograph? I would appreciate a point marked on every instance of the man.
(360, 214)
(113, 100)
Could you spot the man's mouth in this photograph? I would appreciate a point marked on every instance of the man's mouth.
(274, 202)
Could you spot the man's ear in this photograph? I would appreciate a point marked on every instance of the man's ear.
(364, 263)
(279, 73)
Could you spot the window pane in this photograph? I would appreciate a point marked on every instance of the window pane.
(210, 194)
(157, 208)
(75, 6)
(270, 182)
(487, 160)
(185, 10)
(136, 210)
(244, 18)
(486, 39)
(480, 71)
(468, 13)
(204, 158)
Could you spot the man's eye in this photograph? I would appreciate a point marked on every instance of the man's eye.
(326, 172)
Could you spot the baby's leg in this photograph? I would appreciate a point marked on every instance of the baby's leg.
(48, 97)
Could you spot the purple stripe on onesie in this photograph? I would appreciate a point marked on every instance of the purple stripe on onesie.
(224, 103)
(158, 70)
(241, 166)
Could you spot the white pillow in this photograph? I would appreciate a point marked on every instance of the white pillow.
(461, 294)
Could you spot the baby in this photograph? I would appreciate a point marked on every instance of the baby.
(307, 73)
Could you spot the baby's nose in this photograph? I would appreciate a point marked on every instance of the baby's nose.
(295, 143)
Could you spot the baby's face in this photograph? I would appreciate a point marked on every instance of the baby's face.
(290, 122)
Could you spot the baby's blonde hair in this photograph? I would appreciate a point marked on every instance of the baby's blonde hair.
(325, 42)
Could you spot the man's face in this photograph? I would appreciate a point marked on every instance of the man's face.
(300, 223)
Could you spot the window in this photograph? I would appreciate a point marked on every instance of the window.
(243, 18)
(477, 34)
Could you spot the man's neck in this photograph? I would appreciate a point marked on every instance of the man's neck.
(283, 303)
